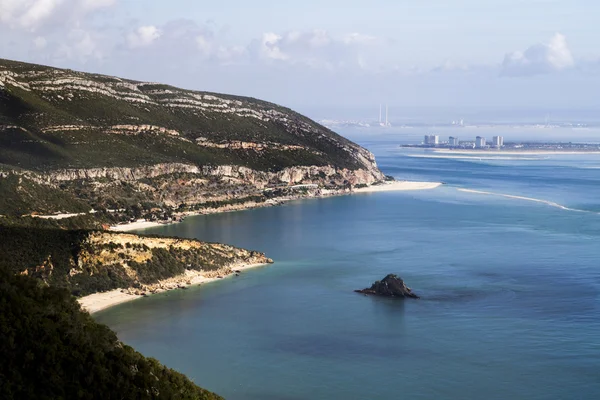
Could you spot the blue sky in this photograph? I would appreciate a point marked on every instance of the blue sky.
(328, 53)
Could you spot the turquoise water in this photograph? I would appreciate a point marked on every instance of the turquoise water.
(510, 290)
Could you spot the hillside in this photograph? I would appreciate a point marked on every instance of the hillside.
(86, 262)
(52, 350)
(80, 141)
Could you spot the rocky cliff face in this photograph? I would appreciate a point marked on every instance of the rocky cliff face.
(291, 175)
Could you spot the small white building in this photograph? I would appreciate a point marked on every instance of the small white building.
(453, 141)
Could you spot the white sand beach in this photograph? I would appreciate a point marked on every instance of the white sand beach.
(132, 226)
(513, 152)
(399, 186)
(101, 301)
(58, 216)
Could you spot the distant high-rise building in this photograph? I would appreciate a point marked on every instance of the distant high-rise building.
(432, 140)
(453, 141)
(480, 142)
(498, 141)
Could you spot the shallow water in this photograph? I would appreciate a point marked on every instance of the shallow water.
(510, 290)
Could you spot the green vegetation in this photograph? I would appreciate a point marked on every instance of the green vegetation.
(86, 262)
(50, 350)
(20, 195)
(26, 143)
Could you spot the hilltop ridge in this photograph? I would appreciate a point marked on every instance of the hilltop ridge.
(114, 143)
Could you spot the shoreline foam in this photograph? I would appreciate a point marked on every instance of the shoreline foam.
(510, 196)
(101, 301)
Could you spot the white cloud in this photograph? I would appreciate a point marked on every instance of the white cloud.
(34, 14)
(541, 58)
(91, 5)
(205, 45)
(143, 36)
(38, 11)
(80, 46)
(450, 66)
(270, 49)
(40, 42)
(359, 38)
(316, 48)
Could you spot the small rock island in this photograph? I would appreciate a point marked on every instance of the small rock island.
(390, 286)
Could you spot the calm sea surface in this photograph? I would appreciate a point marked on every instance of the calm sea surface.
(510, 289)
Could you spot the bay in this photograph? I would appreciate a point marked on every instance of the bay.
(510, 290)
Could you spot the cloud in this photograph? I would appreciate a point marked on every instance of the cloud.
(81, 46)
(91, 5)
(35, 14)
(270, 47)
(542, 58)
(143, 36)
(359, 38)
(316, 48)
(185, 40)
(450, 66)
(195, 42)
(40, 42)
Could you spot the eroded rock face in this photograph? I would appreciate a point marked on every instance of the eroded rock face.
(390, 286)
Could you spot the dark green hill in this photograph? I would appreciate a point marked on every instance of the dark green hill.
(72, 141)
(51, 350)
(86, 262)
(54, 118)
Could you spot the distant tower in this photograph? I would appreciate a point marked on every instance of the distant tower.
(381, 122)
(386, 116)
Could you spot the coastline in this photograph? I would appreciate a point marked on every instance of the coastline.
(101, 301)
(384, 187)
(514, 152)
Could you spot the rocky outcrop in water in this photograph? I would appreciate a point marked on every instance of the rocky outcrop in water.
(390, 286)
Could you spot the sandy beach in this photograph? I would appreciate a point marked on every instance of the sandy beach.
(512, 152)
(101, 301)
(399, 186)
(57, 216)
(132, 226)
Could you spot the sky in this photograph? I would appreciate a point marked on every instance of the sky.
(328, 54)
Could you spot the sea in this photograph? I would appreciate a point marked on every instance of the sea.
(505, 256)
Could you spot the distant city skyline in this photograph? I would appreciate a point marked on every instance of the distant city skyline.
(327, 54)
